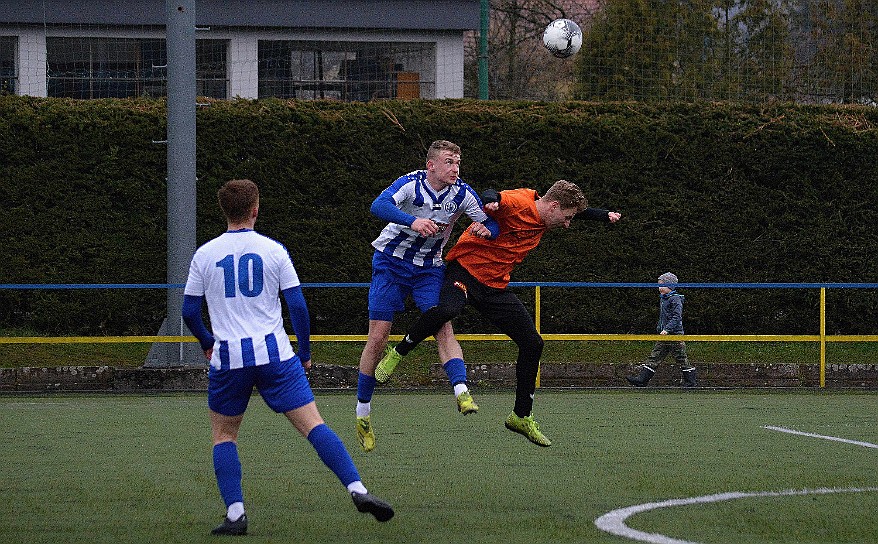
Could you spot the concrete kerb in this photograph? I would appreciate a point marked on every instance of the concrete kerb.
(484, 375)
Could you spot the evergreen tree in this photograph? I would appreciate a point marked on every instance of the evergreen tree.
(649, 50)
(765, 52)
(844, 64)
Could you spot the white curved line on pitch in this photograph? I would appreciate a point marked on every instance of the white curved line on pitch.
(614, 522)
(812, 435)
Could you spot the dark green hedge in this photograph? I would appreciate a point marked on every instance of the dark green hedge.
(713, 192)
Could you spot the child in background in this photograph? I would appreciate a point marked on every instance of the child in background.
(670, 322)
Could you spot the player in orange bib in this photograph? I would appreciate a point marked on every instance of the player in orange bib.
(478, 273)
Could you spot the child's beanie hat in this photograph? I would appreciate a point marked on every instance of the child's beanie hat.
(668, 277)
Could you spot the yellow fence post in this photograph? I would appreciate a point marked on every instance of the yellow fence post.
(823, 337)
(537, 315)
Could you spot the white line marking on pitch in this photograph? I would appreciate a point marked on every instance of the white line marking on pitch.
(614, 522)
(812, 435)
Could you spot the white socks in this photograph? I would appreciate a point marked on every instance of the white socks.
(364, 409)
(236, 510)
(357, 487)
(460, 388)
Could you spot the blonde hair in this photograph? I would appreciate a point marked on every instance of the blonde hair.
(439, 146)
(567, 194)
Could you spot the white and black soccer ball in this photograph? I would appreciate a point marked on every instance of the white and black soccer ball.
(562, 38)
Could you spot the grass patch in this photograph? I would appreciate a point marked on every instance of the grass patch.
(138, 469)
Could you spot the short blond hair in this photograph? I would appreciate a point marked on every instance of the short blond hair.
(567, 194)
(439, 146)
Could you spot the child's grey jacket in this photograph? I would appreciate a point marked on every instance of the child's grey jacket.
(670, 313)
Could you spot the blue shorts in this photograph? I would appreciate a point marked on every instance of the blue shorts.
(283, 385)
(394, 279)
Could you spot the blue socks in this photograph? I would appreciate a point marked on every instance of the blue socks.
(330, 449)
(365, 387)
(227, 467)
(332, 452)
(456, 371)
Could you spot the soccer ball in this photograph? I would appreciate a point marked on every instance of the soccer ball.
(562, 38)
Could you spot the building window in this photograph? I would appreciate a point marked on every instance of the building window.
(8, 75)
(127, 67)
(346, 70)
(211, 75)
(105, 67)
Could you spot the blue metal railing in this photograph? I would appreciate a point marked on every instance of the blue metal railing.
(822, 338)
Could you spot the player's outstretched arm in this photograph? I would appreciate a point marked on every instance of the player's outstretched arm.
(598, 214)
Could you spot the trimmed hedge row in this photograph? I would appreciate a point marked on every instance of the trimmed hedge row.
(713, 192)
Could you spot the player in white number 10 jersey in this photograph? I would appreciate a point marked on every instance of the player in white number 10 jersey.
(241, 274)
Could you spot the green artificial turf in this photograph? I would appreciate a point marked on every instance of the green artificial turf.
(138, 469)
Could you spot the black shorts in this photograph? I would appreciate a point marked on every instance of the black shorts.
(499, 306)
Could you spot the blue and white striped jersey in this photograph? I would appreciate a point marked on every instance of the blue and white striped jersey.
(413, 195)
(241, 274)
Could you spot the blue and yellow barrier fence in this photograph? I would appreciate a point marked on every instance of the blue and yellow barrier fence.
(821, 337)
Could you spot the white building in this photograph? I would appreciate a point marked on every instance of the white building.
(345, 50)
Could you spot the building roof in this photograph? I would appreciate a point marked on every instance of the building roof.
(350, 14)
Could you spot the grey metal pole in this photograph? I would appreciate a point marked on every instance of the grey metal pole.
(181, 180)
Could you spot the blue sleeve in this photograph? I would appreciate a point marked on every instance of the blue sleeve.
(384, 207)
(192, 318)
(301, 321)
(493, 226)
(489, 221)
